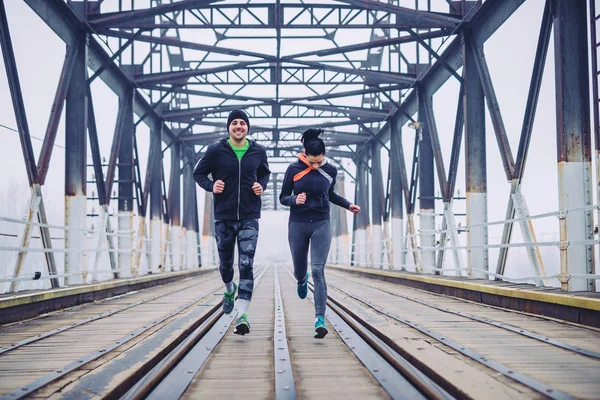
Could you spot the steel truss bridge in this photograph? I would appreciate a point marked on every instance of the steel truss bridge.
(364, 70)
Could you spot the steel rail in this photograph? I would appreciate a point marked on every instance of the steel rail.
(488, 321)
(171, 377)
(394, 373)
(472, 354)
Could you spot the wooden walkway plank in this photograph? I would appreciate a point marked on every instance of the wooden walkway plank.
(517, 352)
(68, 346)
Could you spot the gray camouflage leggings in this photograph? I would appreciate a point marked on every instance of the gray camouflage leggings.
(246, 233)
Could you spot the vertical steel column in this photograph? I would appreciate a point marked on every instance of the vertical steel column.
(175, 205)
(426, 188)
(343, 239)
(189, 203)
(197, 227)
(75, 168)
(360, 222)
(155, 196)
(126, 203)
(333, 250)
(396, 202)
(208, 240)
(165, 255)
(377, 203)
(275, 191)
(476, 166)
(574, 142)
(593, 17)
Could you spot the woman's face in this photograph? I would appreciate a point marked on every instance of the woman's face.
(315, 161)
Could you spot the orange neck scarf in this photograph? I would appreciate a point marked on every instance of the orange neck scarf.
(302, 173)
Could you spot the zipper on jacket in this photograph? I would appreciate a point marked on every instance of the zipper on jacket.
(239, 186)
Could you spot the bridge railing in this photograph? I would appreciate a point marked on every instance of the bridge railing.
(23, 256)
(531, 261)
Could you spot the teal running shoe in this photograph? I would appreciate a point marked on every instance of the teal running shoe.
(303, 288)
(229, 300)
(320, 328)
(242, 326)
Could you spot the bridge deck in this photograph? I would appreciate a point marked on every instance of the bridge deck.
(471, 350)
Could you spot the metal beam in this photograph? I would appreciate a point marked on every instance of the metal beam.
(369, 45)
(178, 76)
(61, 19)
(488, 18)
(493, 107)
(56, 111)
(371, 76)
(407, 15)
(527, 129)
(117, 18)
(16, 95)
(185, 45)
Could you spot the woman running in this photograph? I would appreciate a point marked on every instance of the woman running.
(308, 187)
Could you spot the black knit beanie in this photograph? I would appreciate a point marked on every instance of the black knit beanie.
(237, 114)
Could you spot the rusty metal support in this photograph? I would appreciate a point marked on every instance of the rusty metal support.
(426, 186)
(14, 84)
(476, 165)
(175, 203)
(361, 221)
(189, 186)
(125, 170)
(377, 206)
(76, 120)
(493, 107)
(56, 111)
(153, 187)
(37, 202)
(574, 142)
(397, 188)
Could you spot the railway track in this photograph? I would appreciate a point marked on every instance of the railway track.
(178, 344)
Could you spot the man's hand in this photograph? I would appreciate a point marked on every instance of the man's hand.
(218, 187)
(301, 198)
(354, 208)
(257, 188)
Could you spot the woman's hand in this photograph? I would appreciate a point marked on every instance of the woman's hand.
(301, 198)
(354, 208)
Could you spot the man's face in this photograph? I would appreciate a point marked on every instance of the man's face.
(238, 129)
(315, 161)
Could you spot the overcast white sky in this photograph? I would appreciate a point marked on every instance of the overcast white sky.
(509, 52)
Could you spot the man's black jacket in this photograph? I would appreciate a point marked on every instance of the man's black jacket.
(238, 200)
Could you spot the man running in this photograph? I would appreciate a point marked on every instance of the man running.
(240, 172)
